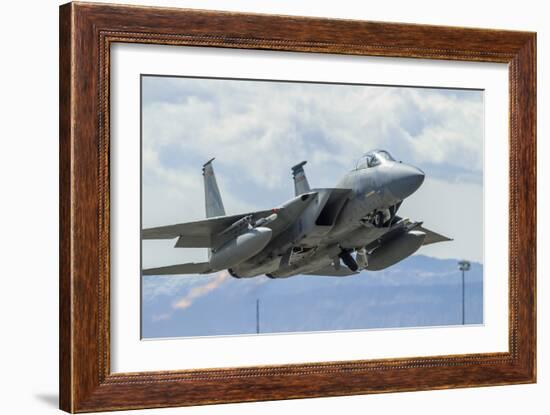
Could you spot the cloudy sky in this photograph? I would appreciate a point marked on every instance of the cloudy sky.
(257, 130)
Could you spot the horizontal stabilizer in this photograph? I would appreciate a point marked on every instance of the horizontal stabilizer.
(189, 268)
(194, 241)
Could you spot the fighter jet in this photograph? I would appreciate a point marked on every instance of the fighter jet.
(335, 232)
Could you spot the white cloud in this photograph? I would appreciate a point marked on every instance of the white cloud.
(258, 130)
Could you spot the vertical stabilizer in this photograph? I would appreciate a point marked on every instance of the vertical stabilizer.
(301, 185)
(212, 198)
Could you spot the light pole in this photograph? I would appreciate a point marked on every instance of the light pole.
(257, 316)
(463, 266)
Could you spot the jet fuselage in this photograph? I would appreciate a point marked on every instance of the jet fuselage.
(332, 225)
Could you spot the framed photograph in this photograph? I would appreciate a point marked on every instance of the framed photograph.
(258, 207)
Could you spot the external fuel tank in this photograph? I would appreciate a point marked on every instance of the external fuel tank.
(239, 249)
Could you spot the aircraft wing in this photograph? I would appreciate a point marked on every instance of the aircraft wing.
(400, 225)
(209, 232)
(432, 237)
(198, 234)
(290, 211)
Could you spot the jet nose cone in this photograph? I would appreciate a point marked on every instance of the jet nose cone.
(405, 180)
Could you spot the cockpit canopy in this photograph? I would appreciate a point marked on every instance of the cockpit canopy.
(373, 158)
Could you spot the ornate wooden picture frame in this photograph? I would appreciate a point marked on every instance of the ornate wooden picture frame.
(87, 32)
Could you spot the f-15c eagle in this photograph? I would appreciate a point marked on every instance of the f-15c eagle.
(331, 231)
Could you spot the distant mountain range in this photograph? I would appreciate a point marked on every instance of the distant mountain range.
(419, 291)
